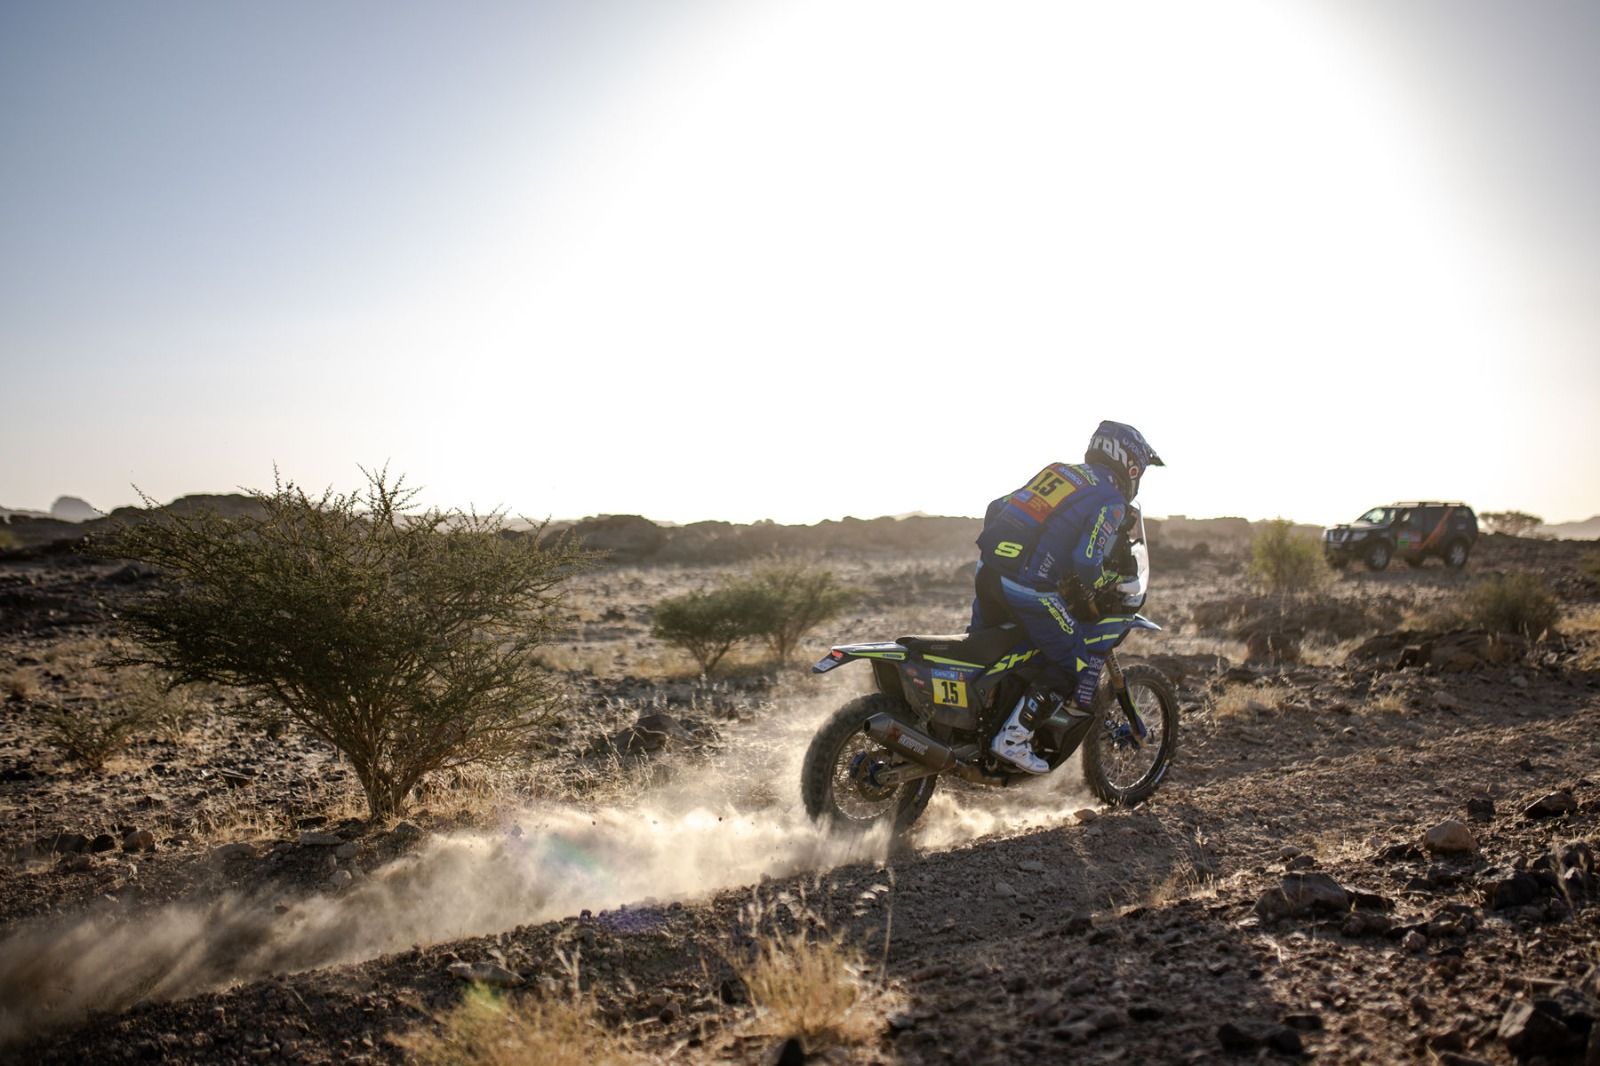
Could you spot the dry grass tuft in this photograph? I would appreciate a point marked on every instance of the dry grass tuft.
(815, 988)
(1244, 701)
(1584, 627)
(491, 1030)
(1388, 703)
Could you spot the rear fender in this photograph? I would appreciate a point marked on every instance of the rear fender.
(881, 651)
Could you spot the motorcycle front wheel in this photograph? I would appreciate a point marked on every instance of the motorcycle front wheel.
(836, 780)
(1120, 765)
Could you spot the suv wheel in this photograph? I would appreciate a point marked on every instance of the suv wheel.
(1378, 556)
(1455, 556)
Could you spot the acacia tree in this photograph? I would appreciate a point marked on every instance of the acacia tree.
(405, 639)
(796, 599)
(1515, 523)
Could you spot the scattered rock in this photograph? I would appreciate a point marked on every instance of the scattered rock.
(1553, 805)
(139, 840)
(1085, 816)
(652, 732)
(1415, 942)
(1286, 1041)
(313, 839)
(1480, 809)
(1450, 837)
(347, 850)
(1233, 1038)
(483, 973)
(103, 842)
(404, 834)
(1305, 1021)
(1504, 888)
(1528, 1030)
(340, 878)
(1303, 894)
(240, 850)
(1003, 890)
(789, 1053)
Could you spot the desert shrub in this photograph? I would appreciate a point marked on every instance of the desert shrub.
(1512, 603)
(490, 1030)
(793, 599)
(1285, 562)
(811, 986)
(1514, 523)
(8, 539)
(404, 639)
(708, 624)
(91, 731)
(158, 704)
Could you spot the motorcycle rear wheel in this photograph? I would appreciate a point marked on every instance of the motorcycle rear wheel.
(842, 800)
(1118, 770)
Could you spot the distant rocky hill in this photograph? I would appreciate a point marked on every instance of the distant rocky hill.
(1588, 529)
(633, 538)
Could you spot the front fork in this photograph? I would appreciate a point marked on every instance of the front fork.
(1119, 688)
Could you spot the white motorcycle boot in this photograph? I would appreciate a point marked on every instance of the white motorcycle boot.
(1014, 743)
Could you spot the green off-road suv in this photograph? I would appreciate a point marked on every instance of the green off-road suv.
(1412, 531)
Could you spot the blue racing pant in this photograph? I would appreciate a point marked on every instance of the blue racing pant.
(1076, 649)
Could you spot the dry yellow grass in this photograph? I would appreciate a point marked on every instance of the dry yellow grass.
(1388, 703)
(491, 1030)
(1584, 627)
(1243, 701)
(814, 988)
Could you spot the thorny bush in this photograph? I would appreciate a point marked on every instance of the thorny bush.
(405, 639)
(1512, 603)
(1286, 562)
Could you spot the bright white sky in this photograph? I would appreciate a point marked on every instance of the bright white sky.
(758, 259)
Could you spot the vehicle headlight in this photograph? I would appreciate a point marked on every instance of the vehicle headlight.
(1359, 534)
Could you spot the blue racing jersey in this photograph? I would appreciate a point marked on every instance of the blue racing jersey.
(1059, 525)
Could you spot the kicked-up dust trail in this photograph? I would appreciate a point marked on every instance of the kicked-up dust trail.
(711, 826)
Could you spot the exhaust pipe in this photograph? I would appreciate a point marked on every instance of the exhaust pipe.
(913, 743)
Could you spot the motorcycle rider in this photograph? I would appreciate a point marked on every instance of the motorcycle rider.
(1042, 559)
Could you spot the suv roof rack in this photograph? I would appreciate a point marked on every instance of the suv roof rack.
(1428, 503)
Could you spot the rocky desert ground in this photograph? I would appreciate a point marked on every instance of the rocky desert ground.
(1377, 844)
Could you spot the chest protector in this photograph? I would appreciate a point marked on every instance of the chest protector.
(1013, 524)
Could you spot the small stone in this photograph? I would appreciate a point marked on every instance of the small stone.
(1289, 851)
(1450, 837)
(1286, 1042)
(340, 878)
(346, 850)
(240, 850)
(900, 1021)
(405, 833)
(1003, 890)
(313, 839)
(1305, 1021)
(139, 840)
(1031, 866)
(103, 842)
(1085, 816)
(483, 973)
(1233, 1038)
(1301, 894)
(1415, 942)
(789, 1053)
(1480, 809)
(1554, 805)
(1527, 1031)
(1302, 862)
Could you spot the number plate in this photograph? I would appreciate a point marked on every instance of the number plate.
(950, 693)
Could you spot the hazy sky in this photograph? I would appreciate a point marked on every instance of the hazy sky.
(786, 260)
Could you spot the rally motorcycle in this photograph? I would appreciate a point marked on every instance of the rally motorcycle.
(941, 699)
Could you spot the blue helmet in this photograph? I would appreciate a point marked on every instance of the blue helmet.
(1123, 450)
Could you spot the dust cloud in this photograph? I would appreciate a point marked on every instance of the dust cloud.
(711, 826)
